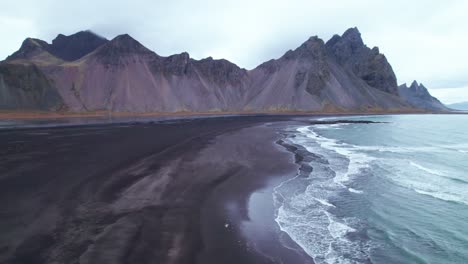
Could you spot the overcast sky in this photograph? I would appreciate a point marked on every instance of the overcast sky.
(423, 40)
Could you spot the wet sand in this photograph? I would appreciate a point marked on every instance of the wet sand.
(191, 191)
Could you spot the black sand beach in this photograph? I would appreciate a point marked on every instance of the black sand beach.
(189, 191)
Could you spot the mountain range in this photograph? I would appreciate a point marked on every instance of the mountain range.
(419, 97)
(85, 72)
(459, 106)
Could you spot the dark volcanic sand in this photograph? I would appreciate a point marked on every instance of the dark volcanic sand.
(144, 193)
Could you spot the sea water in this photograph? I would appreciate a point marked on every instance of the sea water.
(391, 192)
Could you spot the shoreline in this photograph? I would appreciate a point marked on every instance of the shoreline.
(25, 115)
(80, 195)
(184, 191)
(247, 221)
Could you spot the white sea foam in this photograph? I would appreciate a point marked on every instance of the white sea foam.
(357, 159)
(443, 196)
(384, 149)
(431, 171)
(438, 184)
(321, 235)
(326, 118)
(355, 191)
(463, 148)
(337, 230)
(331, 126)
(303, 204)
(407, 166)
(324, 202)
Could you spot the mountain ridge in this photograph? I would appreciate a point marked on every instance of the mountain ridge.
(350, 51)
(418, 96)
(65, 48)
(122, 75)
(459, 106)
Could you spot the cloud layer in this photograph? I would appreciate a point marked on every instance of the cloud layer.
(423, 40)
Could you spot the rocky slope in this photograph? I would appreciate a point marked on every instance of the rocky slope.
(26, 87)
(91, 73)
(312, 78)
(419, 97)
(124, 76)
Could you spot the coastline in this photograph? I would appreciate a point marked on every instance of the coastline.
(25, 115)
(87, 198)
(242, 207)
(199, 190)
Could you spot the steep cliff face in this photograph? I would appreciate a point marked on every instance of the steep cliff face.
(309, 79)
(419, 97)
(25, 87)
(91, 73)
(368, 64)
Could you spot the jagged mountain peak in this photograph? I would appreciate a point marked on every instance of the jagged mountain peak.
(81, 35)
(68, 48)
(34, 42)
(350, 40)
(219, 62)
(414, 85)
(211, 59)
(126, 44)
(313, 43)
(183, 56)
(418, 96)
(370, 65)
(75, 46)
(29, 48)
(314, 48)
(353, 35)
(346, 45)
(220, 70)
(125, 40)
(124, 37)
(417, 87)
(121, 46)
(177, 64)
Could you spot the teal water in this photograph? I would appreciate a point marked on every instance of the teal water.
(393, 192)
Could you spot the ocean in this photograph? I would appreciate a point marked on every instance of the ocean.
(392, 192)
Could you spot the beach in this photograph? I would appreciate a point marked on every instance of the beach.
(234, 189)
(179, 191)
